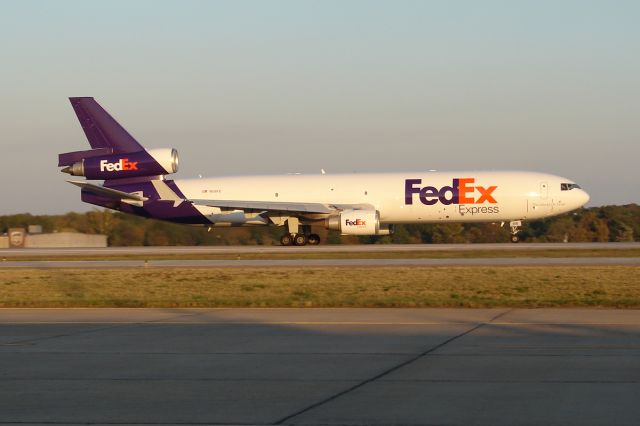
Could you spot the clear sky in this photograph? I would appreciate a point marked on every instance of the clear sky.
(255, 87)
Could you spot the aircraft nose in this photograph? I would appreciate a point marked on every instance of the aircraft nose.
(583, 197)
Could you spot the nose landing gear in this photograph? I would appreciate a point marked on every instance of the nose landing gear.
(515, 228)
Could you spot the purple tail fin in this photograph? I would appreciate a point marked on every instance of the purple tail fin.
(101, 129)
(105, 135)
(115, 154)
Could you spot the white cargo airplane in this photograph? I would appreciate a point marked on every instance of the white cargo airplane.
(354, 204)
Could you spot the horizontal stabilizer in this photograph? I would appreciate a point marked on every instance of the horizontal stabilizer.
(274, 206)
(107, 192)
(69, 158)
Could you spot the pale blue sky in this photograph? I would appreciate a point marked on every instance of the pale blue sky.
(254, 87)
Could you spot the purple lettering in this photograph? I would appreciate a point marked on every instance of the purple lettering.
(409, 189)
(442, 195)
(429, 195)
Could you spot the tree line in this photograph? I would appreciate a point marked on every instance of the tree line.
(607, 223)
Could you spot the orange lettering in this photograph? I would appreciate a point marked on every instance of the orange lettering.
(486, 194)
(129, 165)
(463, 189)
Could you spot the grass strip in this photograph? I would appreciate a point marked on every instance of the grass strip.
(463, 286)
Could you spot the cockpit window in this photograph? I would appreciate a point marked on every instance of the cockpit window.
(568, 186)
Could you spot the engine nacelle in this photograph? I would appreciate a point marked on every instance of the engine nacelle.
(117, 166)
(358, 222)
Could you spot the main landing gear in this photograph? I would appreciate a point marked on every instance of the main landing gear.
(299, 235)
(300, 239)
(515, 228)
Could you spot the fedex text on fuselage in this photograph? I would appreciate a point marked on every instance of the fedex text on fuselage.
(461, 191)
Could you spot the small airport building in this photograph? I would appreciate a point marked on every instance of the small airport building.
(17, 238)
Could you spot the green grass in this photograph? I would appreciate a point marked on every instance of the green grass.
(460, 286)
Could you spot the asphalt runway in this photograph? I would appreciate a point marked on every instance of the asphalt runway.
(242, 263)
(320, 366)
(366, 248)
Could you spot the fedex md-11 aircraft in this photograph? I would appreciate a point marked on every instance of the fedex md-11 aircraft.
(134, 180)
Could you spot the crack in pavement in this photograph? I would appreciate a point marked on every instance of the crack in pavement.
(391, 369)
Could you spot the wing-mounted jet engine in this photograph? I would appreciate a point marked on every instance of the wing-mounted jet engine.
(358, 222)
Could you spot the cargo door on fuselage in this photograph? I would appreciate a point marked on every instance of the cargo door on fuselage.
(544, 190)
(542, 203)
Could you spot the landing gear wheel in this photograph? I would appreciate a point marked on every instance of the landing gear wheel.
(515, 228)
(300, 240)
(286, 240)
(313, 239)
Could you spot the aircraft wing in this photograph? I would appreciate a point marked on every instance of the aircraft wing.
(267, 206)
(274, 206)
(107, 192)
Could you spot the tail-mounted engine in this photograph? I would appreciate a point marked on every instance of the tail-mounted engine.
(117, 166)
(358, 222)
